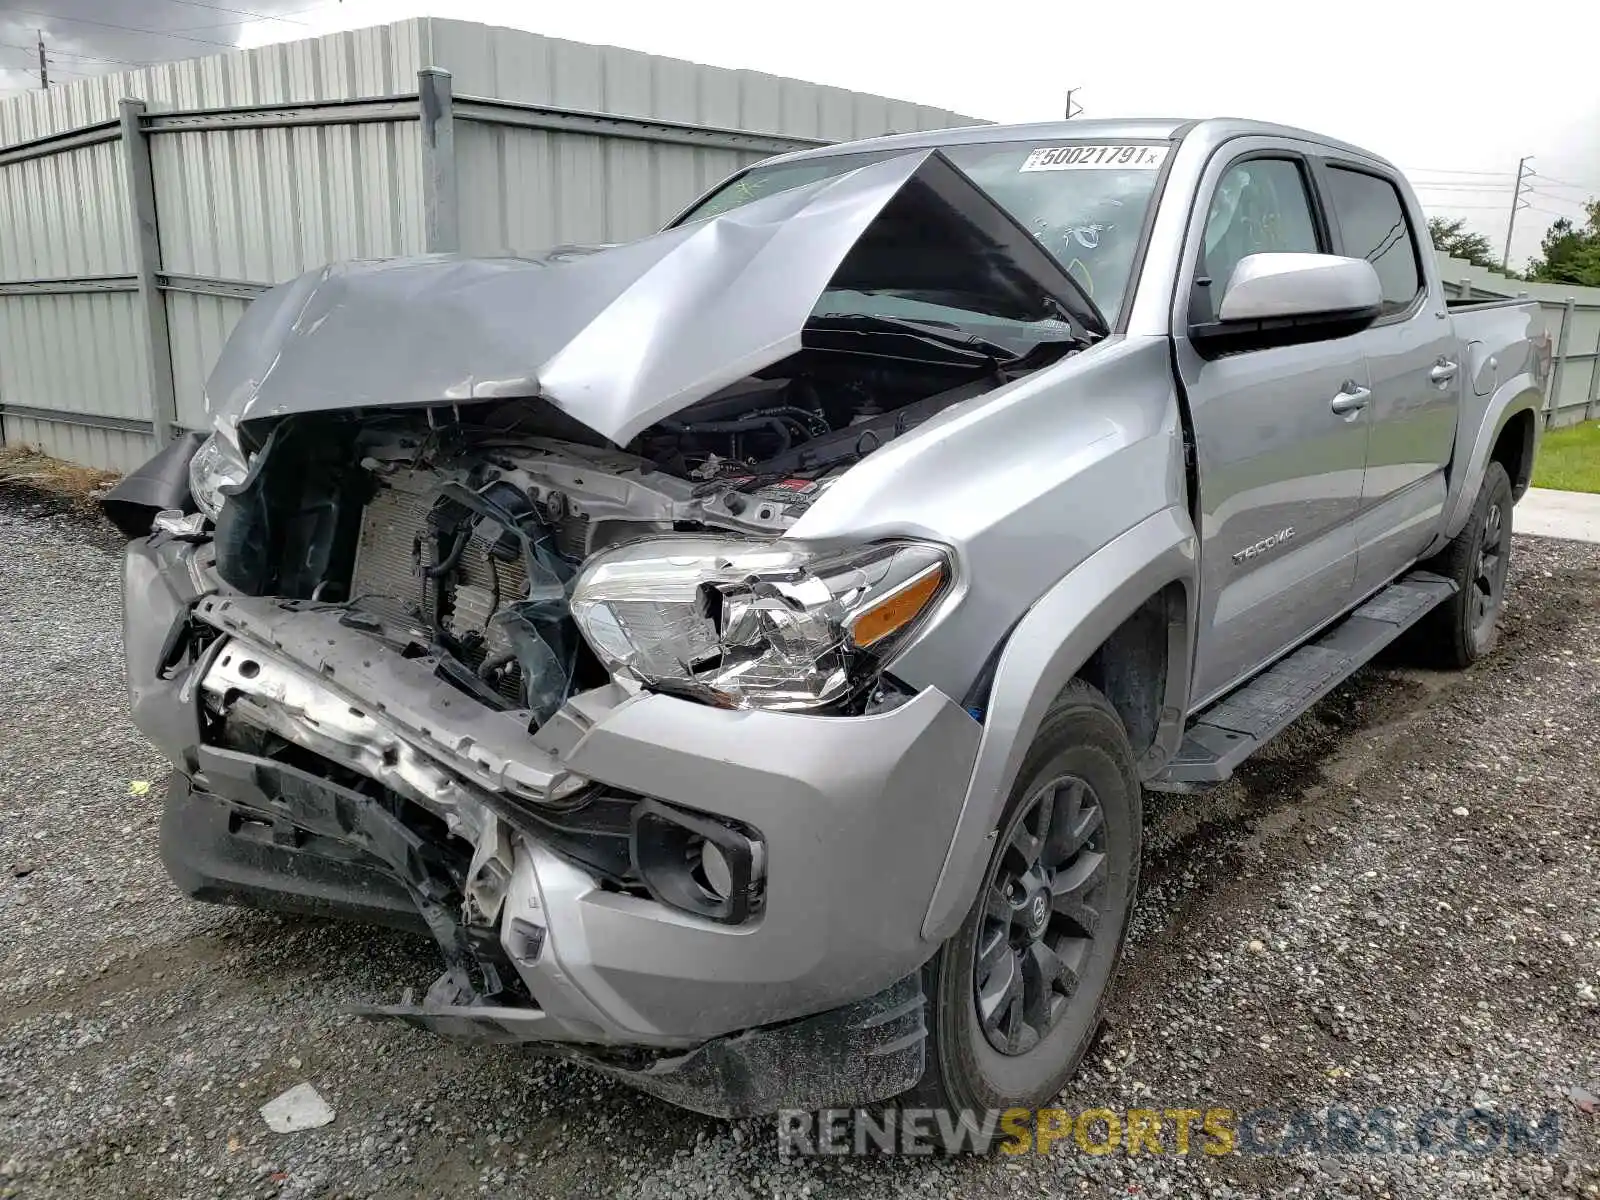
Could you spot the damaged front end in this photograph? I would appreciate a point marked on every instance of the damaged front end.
(489, 623)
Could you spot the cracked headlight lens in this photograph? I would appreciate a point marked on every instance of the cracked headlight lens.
(756, 624)
(217, 464)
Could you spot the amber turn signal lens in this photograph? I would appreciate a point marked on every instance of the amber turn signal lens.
(896, 610)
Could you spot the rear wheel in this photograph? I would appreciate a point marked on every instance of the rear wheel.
(1016, 994)
(1464, 628)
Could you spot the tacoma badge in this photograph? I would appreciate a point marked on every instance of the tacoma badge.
(1265, 544)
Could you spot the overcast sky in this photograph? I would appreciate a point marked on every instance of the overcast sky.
(1454, 93)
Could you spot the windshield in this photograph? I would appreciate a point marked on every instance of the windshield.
(1084, 202)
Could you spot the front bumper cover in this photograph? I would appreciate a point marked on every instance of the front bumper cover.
(856, 814)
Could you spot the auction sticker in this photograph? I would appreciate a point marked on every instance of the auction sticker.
(1095, 158)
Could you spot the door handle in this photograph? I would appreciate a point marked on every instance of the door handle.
(1443, 371)
(1351, 400)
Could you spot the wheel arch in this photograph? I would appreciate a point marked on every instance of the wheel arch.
(1514, 448)
(1097, 623)
(1510, 426)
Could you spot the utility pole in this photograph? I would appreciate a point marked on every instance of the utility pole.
(1071, 106)
(1516, 203)
(44, 67)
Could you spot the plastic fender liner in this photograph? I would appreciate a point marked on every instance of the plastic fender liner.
(163, 482)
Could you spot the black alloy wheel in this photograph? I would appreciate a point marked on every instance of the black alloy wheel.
(1465, 627)
(1041, 915)
(1489, 573)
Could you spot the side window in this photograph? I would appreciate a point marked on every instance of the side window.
(1260, 206)
(1373, 225)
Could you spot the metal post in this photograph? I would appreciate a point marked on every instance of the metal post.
(1516, 203)
(1594, 378)
(1464, 288)
(441, 228)
(1553, 406)
(152, 306)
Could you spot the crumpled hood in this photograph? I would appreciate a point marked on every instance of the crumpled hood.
(616, 337)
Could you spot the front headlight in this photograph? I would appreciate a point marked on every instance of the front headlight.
(216, 464)
(756, 624)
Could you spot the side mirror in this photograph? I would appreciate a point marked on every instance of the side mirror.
(1284, 299)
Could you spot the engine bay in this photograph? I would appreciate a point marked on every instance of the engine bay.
(455, 531)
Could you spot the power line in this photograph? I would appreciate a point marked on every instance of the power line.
(125, 28)
(1535, 191)
(1459, 187)
(254, 16)
(1582, 187)
(1508, 176)
(1452, 171)
(293, 12)
(69, 54)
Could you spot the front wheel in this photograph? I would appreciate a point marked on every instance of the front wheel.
(1016, 994)
(1465, 627)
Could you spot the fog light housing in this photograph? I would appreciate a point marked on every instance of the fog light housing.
(702, 865)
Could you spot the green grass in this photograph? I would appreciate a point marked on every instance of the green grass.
(1569, 459)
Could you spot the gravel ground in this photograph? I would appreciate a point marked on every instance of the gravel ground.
(1394, 906)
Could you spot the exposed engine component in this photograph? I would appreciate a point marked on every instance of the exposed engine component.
(453, 532)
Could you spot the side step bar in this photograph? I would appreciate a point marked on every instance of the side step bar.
(1235, 727)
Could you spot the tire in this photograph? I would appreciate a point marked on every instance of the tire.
(1081, 758)
(1465, 627)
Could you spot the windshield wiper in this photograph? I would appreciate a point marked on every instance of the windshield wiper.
(965, 344)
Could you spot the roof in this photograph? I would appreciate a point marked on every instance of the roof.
(1214, 129)
(1144, 129)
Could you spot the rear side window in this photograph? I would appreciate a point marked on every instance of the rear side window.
(1373, 225)
(1261, 206)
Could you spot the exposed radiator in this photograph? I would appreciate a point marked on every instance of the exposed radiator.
(394, 548)
(387, 577)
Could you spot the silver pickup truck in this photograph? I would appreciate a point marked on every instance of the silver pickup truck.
(744, 650)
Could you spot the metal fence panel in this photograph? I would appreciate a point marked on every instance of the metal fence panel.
(381, 61)
(524, 190)
(256, 205)
(108, 449)
(528, 68)
(65, 215)
(267, 204)
(199, 326)
(78, 354)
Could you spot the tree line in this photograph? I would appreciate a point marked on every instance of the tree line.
(1569, 253)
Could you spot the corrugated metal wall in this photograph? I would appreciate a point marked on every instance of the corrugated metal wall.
(381, 61)
(528, 189)
(63, 217)
(258, 197)
(259, 205)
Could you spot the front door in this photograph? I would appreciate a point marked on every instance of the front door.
(1280, 458)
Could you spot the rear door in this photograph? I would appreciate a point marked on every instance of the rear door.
(1280, 471)
(1413, 363)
